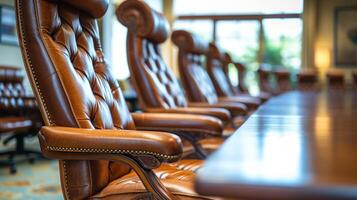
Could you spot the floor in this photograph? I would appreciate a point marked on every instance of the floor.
(32, 181)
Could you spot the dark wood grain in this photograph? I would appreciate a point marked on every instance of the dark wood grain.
(300, 145)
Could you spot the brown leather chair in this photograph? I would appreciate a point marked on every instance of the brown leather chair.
(283, 82)
(101, 152)
(307, 79)
(265, 75)
(224, 88)
(227, 60)
(195, 79)
(354, 79)
(241, 69)
(335, 79)
(18, 117)
(155, 83)
(221, 82)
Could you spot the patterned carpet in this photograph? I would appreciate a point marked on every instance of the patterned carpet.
(32, 181)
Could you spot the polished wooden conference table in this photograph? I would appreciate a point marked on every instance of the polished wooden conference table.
(299, 145)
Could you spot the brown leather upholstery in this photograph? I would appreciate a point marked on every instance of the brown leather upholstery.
(354, 78)
(307, 79)
(223, 86)
(154, 81)
(227, 60)
(283, 83)
(13, 99)
(241, 69)
(170, 123)
(171, 177)
(190, 58)
(201, 134)
(17, 124)
(88, 125)
(264, 78)
(19, 114)
(195, 79)
(167, 148)
(335, 79)
(215, 68)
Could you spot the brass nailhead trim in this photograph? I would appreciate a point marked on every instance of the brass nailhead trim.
(117, 151)
(66, 179)
(31, 66)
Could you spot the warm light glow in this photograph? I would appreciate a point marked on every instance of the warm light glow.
(322, 57)
(322, 127)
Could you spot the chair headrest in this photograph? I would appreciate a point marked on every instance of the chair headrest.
(215, 52)
(227, 58)
(140, 19)
(189, 42)
(94, 8)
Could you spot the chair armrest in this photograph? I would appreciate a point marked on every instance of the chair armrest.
(234, 108)
(264, 96)
(219, 113)
(196, 125)
(65, 142)
(14, 124)
(251, 102)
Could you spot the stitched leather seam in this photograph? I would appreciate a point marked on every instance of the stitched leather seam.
(179, 129)
(56, 69)
(65, 178)
(90, 177)
(35, 79)
(31, 65)
(115, 151)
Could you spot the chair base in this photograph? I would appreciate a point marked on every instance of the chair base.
(31, 155)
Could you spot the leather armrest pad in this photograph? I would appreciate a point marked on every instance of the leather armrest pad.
(183, 123)
(250, 101)
(234, 108)
(217, 112)
(60, 142)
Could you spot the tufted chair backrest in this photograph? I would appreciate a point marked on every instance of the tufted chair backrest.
(264, 77)
(13, 98)
(227, 60)
(215, 68)
(196, 81)
(154, 81)
(73, 84)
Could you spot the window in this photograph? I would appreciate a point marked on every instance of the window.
(241, 40)
(156, 5)
(118, 58)
(283, 43)
(214, 7)
(252, 31)
(203, 28)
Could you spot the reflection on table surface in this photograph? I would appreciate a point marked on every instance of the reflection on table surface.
(299, 144)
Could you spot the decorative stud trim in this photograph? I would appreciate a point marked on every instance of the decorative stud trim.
(31, 65)
(115, 151)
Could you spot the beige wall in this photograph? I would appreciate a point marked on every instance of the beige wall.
(324, 37)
